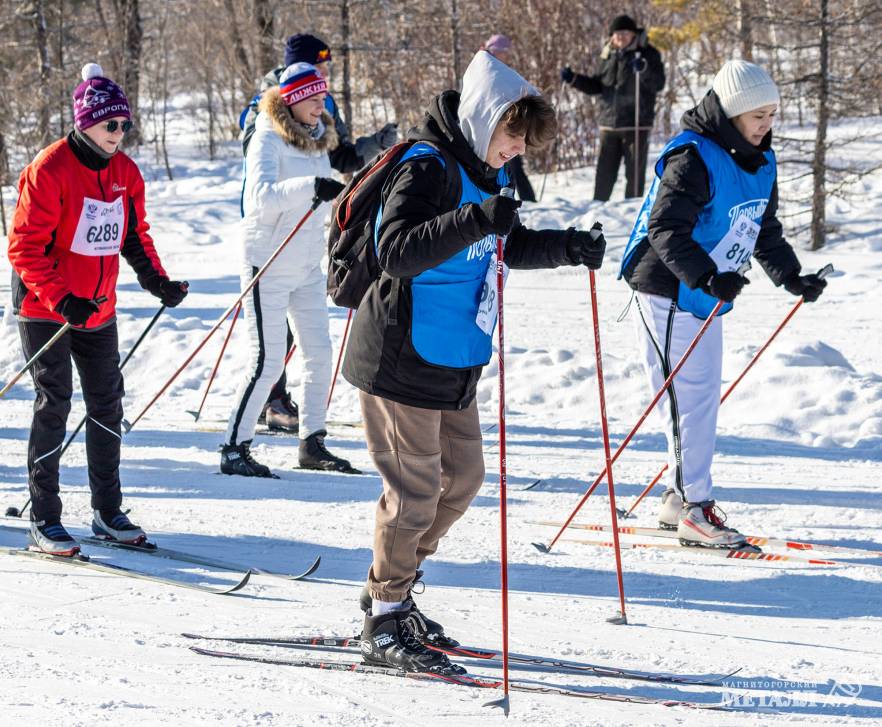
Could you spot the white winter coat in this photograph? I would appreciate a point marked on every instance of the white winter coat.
(280, 170)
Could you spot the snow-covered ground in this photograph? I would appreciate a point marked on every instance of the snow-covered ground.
(799, 456)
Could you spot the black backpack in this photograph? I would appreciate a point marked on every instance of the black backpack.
(352, 255)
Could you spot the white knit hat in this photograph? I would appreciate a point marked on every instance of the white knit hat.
(743, 87)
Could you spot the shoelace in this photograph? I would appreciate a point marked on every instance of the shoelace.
(712, 515)
(246, 455)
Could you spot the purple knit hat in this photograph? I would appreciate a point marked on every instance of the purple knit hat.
(498, 44)
(97, 98)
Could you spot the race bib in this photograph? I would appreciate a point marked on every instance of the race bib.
(100, 229)
(487, 310)
(737, 245)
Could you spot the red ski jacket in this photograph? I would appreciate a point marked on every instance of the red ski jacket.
(70, 225)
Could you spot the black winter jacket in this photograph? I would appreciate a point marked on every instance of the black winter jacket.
(669, 254)
(614, 82)
(422, 227)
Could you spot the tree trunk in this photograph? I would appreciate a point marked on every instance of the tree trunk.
(263, 16)
(347, 84)
(454, 40)
(246, 73)
(41, 37)
(819, 161)
(132, 34)
(745, 30)
(4, 173)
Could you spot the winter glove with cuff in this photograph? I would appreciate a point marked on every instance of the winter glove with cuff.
(170, 292)
(76, 310)
(498, 214)
(637, 64)
(725, 286)
(387, 136)
(587, 248)
(809, 286)
(326, 189)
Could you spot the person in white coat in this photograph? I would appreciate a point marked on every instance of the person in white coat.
(286, 171)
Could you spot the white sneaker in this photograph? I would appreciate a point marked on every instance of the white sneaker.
(669, 513)
(701, 524)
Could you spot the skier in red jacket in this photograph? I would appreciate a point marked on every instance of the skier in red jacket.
(80, 205)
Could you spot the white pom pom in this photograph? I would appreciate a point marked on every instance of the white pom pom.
(91, 70)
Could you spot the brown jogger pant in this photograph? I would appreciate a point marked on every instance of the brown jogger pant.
(432, 465)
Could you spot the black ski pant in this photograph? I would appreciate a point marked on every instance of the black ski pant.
(616, 145)
(96, 355)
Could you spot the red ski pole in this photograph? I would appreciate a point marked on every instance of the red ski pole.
(664, 387)
(503, 476)
(339, 359)
(220, 321)
(822, 273)
(622, 618)
(196, 414)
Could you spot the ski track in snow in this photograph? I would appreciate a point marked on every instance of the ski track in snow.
(799, 452)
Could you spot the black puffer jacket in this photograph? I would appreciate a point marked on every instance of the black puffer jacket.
(614, 81)
(421, 228)
(669, 254)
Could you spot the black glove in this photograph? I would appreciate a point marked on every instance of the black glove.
(76, 310)
(725, 286)
(809, 286)
(326, 190)
(587, 248)
(567, 75)
(637, 64)
(172, 292)
(500, 214)
(387, 136)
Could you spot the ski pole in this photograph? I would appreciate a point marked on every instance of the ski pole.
(196, 414)
(503, 476)
(636, 124)
(254, 280)
(822, 273)
(13, 512)
(45, 347)
(339, 359)
(622, 618)
(664, 387)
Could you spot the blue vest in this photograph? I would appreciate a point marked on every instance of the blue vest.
(446, 297)
(733, 193)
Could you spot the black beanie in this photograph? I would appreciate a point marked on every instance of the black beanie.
(622, 22)
(305, 48)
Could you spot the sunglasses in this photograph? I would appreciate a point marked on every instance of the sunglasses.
(112, 126)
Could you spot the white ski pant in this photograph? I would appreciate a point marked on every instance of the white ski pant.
(265, 309)
(689, 407)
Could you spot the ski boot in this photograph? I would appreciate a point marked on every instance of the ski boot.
(281, 415)
(702, 525)
(427, 630)
(49, 536)
(387, 640)
(314, 455)
(669, 513)
(115, 525)
(236, 459)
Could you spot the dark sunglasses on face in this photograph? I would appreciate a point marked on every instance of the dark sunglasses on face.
(112, 126)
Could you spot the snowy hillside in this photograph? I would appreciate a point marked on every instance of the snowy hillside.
(799, 457)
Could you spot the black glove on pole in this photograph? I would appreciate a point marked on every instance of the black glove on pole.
(326, 189)
(808, 286)
(587, 248)
(500, 213)
(725, 286)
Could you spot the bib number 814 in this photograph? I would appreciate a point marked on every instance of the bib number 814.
(103, 233)
(738, 255)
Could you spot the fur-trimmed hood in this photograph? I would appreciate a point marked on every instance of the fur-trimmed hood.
(279, 118)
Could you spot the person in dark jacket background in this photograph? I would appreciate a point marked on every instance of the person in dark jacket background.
(711, 208)
(421, 337)
(625, 57)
